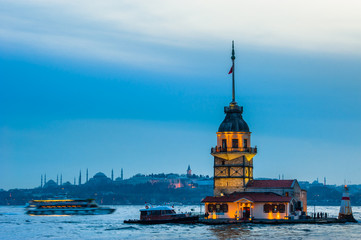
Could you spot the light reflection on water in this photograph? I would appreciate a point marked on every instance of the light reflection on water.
(14, 224)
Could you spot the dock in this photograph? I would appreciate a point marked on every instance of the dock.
(271, 221)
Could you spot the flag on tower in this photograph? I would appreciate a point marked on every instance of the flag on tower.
(231, 70)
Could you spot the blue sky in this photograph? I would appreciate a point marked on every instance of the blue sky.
(141, 85)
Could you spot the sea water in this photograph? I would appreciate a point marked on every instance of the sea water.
(15, 224)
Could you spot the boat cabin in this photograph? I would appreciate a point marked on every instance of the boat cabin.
(157, 213)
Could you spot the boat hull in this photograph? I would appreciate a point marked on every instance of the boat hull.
(184, 220)
(86, 211)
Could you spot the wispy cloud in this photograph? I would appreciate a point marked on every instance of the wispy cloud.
(133, 31)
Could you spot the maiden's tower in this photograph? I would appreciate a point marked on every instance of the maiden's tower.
(236, 194)
(233, 155)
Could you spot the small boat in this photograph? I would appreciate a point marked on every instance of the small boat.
(162, 214)
(66, 207)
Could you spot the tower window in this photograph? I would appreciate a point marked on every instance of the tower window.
(224, 144)
(245, 143)
(234, 143)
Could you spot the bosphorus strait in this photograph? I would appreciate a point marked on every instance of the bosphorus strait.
(16, 225)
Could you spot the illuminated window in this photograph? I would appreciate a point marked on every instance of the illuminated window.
(224, 144)
(234, 143)
(274, 208)
(218, 207)
(282, 208)
(224, 207)
(245, 143)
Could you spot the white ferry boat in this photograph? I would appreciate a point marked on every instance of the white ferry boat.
(66, 207)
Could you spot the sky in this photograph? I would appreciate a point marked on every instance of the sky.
(141, 85)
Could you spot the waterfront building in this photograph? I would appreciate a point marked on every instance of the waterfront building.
(236, 195)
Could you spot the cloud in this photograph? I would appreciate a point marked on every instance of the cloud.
(137, 31)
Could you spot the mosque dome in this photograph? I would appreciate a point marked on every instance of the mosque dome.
(50, 184)
(100, 175)
(233, 122)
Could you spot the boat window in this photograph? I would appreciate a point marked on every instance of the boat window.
(156, 212)
(143, 213)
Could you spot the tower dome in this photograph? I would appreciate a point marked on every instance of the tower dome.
(233, 122)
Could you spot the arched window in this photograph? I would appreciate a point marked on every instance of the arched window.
(224, 207)
(282, 208)
(210, 207)
(267, 208)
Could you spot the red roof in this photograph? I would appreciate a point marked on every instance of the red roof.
(251, 196)
(270, 184)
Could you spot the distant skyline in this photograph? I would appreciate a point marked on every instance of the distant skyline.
(141, 85)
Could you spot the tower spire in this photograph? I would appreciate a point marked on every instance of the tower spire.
(233, 85)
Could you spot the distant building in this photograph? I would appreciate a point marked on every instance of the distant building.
(50, 184)
(99, 179)
(189, 171)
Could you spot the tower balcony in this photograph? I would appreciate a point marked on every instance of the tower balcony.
(233, 153)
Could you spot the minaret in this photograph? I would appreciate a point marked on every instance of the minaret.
(61, 179)
(87, 175)
(121, 174)
(233, 156)
(74, 181)
(112, 175)
(79, 177)
(44, 178)
(57, 179)
(41, 181)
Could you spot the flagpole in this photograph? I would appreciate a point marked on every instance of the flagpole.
(233, 87)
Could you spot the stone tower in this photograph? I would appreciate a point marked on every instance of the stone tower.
(233, 155)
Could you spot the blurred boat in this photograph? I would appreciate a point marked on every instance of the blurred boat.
(66, 207)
